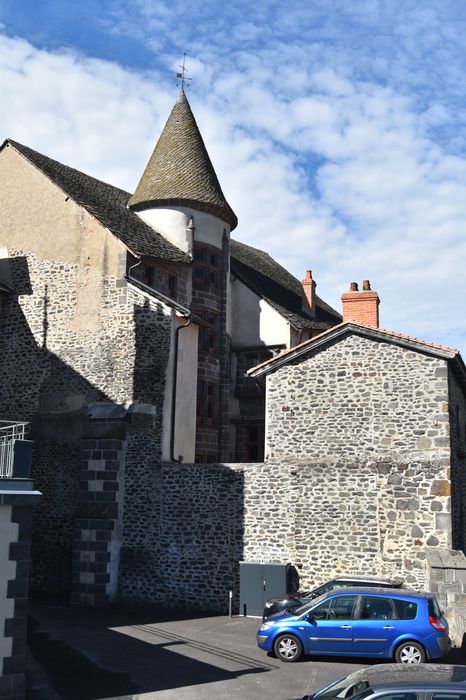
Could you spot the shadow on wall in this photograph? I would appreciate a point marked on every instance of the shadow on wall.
(200, 538)
(38, 386)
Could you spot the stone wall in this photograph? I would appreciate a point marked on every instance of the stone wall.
(61, 353)
(197, 522)
(186, 538)
(359, 396)
(335, 517)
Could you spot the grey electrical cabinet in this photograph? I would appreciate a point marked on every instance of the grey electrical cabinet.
(259, 581)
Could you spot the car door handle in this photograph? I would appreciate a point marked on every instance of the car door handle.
(346, 627)
(389, 627)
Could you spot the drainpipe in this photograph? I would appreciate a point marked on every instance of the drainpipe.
(175, 382)
(187, 314)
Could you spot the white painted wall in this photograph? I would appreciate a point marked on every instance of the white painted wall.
(264, 325)
(244, 304)
(274, 328)
(185, 411)
(8, 534)
(173, 224)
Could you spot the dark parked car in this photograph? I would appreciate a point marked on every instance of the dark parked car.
(390, 682)
(382, 623)
(289, 602)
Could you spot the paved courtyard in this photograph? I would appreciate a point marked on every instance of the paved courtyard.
(88, 654)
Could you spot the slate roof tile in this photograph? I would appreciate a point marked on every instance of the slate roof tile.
(180, 171)
(269, 280)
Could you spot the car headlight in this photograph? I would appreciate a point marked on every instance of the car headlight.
(266, 626)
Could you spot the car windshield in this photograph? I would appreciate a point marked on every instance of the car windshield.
(346, 687)
(312, 604)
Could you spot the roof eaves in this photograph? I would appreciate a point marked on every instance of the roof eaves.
(299, 321)
(140, 286)
(342, 329)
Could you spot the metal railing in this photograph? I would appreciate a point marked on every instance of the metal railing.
(10, 431)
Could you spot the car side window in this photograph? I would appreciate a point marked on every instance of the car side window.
(376, 609)
(448, 696)
(405, 609)
(341, 608)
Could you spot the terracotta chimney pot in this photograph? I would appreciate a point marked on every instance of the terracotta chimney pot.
(361, 306)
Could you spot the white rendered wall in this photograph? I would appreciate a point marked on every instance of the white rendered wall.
(253, 321)
(185, 411)
(274, 328)
(173, 224)
(8, 534)
(245, 315)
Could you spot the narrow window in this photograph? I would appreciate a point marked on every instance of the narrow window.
(206, 402)
(172, 284)
(205, 272)
(148, 275)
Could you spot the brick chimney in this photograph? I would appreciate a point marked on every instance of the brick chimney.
(309, 289)
(361, 306)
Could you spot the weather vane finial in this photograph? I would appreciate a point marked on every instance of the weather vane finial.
(181, 75)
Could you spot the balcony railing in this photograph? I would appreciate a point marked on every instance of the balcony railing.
(10, 432)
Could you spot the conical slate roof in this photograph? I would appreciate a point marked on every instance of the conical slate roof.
(179, 172)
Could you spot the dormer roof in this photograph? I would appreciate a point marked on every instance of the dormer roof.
(180, 172)
(278, 287)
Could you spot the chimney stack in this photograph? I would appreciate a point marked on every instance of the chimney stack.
(361, 306)
(309, 289)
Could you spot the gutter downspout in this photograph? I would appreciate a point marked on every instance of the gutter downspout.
(188, 315)
(175, 382)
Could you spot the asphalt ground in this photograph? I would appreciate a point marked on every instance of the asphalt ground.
(114, 653)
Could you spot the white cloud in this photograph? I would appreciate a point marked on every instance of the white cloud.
(334, 158)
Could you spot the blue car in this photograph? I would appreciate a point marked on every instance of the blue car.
(377, 622)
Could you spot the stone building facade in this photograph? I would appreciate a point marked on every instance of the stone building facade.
(149, 350)
(371, 421)
(121, 321)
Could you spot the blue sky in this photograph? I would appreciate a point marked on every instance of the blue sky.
(337, 127)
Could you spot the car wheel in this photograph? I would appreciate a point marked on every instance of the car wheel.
(288, 648)
(410, 653)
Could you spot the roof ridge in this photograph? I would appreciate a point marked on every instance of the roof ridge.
(413, 338)
(106, 203)
(354, 325)
(25, 149)
(262, 263)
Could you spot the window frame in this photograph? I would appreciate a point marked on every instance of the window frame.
(206, 268)
(207, 402)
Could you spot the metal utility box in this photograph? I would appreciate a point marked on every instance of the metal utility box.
(259, 581)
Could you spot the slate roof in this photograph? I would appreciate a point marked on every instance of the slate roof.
(108, 204)
(180, 172)
(269, 280)
(380, 334)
